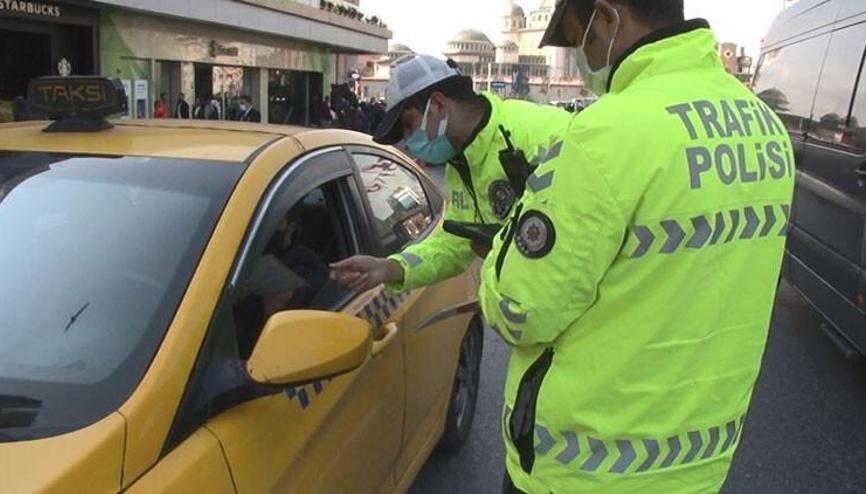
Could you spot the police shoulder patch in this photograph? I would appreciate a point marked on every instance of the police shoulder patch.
(501, 195)
(535, 235)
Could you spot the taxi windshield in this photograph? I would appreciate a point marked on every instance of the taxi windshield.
(95, 255)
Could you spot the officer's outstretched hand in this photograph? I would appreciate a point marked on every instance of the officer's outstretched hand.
(364, 273)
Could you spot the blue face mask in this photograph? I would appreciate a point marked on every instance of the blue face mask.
(436, 151)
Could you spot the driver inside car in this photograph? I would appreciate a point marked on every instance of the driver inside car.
(287, 276)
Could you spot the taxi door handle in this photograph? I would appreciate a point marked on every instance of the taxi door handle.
(384, 339)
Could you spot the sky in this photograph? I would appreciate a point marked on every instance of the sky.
(426, 27)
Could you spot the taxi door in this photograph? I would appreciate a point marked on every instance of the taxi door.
(433, 319)
(341, 434)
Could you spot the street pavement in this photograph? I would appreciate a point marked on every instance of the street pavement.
(805, 432)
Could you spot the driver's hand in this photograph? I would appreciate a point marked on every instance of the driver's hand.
(364, 273)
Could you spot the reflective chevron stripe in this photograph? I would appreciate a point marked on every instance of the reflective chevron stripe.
(511, 316)
(622, 456)
(546, 441)
(599, 453)
(516, 334)
(411, 259)
(572, 448)
(543, 155)
(652, 452)
(538, 183)
(669, 236)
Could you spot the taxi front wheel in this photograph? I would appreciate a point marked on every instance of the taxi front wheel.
(464, 395)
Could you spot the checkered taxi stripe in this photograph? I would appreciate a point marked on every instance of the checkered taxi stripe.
(378, 310)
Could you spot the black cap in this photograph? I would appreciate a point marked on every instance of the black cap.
(555, 33)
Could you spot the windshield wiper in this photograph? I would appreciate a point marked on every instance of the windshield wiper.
(74, 317)
(18, 411)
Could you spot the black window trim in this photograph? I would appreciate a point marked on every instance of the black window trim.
(277, 186)
(858, 80)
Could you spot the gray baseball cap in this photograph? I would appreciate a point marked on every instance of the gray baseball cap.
(410, 75)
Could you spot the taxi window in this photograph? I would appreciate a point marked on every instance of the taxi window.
(401, 210)
(95, 255)
(292, 272)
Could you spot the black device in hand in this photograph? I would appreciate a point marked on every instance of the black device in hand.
(482, 233)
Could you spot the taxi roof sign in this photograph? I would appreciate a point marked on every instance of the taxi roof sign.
(77, 103)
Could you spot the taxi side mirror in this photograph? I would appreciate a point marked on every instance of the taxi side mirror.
(302, 346)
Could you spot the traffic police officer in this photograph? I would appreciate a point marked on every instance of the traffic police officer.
(636, 277)
(436, 116)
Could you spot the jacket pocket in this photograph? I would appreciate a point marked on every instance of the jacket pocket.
(521, 425)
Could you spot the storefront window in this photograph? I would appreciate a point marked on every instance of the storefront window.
(218, 90)
(292, 95)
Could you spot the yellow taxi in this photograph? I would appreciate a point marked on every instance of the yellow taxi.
(168, 320)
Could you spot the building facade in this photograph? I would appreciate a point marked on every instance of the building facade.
(283, 53)
(736, 61)
(516, 66)
(374, 71)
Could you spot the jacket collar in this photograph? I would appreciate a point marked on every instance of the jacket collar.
(475, 152)
(674, 48)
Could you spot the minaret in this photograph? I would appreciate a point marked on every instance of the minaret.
(511, 23)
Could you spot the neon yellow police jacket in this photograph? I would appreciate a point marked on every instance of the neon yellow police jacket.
(637, 278)
(483, 194)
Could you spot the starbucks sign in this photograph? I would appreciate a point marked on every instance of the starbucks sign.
(31, 8)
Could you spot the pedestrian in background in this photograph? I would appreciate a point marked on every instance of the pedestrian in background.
(248, 112)
(181, 110)
(213, 111)
(160, 107)
(232, 108)
(314, 111)
(635, 281)
(326, 115)
(198, 111)
(20, 109)
(377, 113)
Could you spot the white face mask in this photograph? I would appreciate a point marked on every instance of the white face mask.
(595, 80)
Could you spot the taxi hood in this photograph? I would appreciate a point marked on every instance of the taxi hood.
(87, 460)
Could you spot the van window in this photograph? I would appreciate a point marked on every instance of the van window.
(836, 89)
(787, 78)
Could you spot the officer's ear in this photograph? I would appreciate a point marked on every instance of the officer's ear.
(608, 20)
(438, 103)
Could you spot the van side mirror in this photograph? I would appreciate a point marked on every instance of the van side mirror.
(302, 346)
